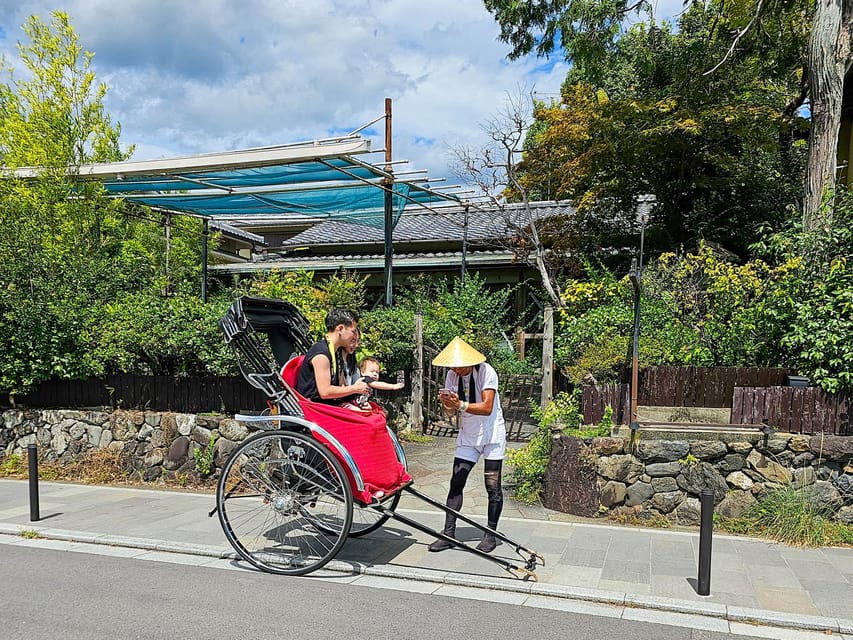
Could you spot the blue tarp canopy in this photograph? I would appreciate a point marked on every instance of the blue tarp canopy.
(320, 179)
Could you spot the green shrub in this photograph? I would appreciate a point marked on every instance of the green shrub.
(530, 462)
(449, 308)
(791, 516)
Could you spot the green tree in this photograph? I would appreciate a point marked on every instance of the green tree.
(722, 153)
(811, 39)
(69, 253)
(815, 308)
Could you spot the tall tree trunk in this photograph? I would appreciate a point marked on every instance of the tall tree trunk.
(828, 61)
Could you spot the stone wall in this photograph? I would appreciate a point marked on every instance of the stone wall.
(155, 444)
(664, 478)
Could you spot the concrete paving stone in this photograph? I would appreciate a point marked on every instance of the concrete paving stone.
(669, 548)
(685, 568)
(734, 582)
(471, 593)
(547, 545)
(773, 633)
(724, 561)
(793, 600)
(629, 551)
(575, 576)
(683, 620)
(677, 587)
(574, 606)
(759, 558)
(831, 599)
(816, 571)
(842, 559)
(627, 571)
(720, 544)
(588, 540)
(583, 557)
(382, 582)
(774, 576)
(622, 586)
(782, 619)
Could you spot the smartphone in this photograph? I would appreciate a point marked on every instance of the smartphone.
(445, 392)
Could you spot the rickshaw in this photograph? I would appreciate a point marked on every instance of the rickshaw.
(311, 475)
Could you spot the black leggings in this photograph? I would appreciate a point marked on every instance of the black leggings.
(492, 476)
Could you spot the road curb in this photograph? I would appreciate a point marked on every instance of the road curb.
(729, 613)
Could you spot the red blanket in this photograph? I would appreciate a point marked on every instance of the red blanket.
(363, 435)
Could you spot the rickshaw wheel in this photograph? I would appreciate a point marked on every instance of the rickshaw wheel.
(366, 520)
(284, 502)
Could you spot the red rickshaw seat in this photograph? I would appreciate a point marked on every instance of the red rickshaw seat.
(363, 435)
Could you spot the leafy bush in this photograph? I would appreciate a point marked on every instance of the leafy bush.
(530, 462)
(696, 309)
(449, 309)
(149, 334)
(814, 305)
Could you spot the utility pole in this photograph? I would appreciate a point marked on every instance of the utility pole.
(388, 183)
(645, 203)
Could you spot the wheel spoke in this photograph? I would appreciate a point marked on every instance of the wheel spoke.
(296, 505)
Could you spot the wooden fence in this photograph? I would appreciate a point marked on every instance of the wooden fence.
(230, 394)
(701, 386)
(794, 410)
(810, 410)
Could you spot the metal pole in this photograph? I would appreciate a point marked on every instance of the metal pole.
(635, 280)
(389, 211)
(547, 358)
(706, 530)
(418, 375)
(33, 473)
(464, 242)
(204, 231)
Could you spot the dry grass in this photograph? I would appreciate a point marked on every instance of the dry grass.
(101, 466)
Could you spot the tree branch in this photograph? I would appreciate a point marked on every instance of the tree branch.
(741, 34)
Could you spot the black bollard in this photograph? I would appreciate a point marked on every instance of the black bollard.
(706, 530)
(33, 462)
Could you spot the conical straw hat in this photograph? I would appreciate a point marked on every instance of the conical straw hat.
(458, 354)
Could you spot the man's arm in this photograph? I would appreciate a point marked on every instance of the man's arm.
(328, 391)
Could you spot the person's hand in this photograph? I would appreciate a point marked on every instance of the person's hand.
(399, 385)
(360, 386)
(448, 399)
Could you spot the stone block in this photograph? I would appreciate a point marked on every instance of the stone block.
(662, 450)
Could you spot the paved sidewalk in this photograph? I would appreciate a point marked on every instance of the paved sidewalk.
(751, 580)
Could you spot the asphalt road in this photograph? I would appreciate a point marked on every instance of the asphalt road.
(49, 594)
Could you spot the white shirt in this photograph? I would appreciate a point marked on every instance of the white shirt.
(476, 430)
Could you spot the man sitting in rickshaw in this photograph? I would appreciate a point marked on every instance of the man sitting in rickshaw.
(321, 377)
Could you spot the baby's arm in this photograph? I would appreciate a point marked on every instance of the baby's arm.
(386, 386)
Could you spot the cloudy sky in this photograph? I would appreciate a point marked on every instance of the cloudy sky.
(199, 76)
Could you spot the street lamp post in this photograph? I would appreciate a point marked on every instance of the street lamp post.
(645, 203)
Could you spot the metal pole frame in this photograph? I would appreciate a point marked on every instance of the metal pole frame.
(389, 211)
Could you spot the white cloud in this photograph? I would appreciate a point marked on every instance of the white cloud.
(195, 77)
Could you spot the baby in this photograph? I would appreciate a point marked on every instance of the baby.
(369, 369)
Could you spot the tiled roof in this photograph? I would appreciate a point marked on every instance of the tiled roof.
(426, 259)
(445, 223)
